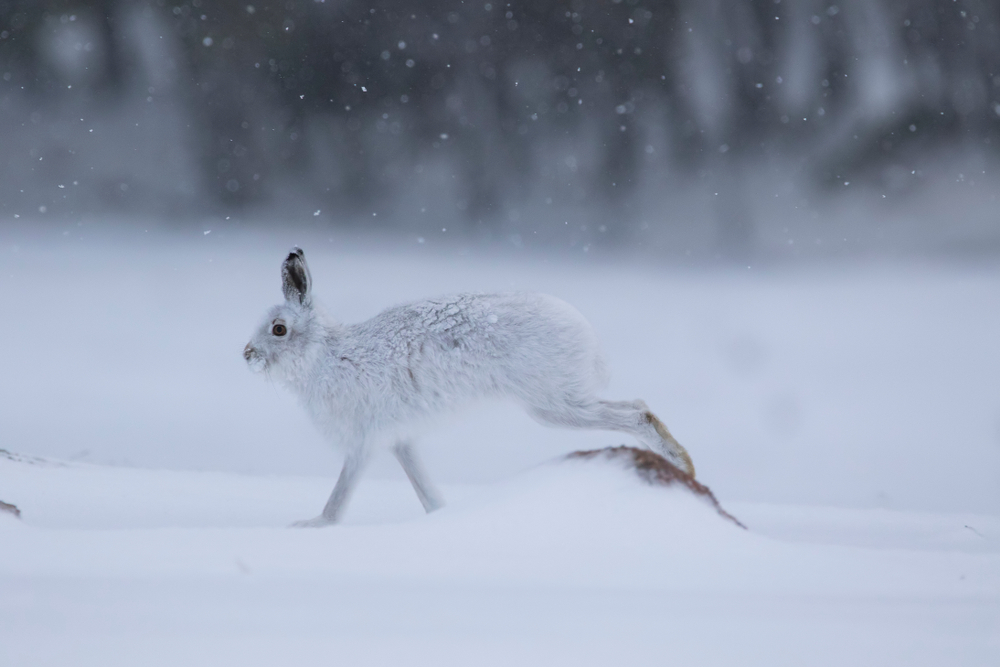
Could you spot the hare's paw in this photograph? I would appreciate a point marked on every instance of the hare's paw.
(669, 447)
(316, 522)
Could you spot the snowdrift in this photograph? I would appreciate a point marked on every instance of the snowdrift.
(588, 559)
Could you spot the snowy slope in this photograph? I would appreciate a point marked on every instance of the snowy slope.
(572, 562)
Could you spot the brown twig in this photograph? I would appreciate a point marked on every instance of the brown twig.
(656, 470)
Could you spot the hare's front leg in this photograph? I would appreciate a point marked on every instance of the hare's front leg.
(407, 458)
(349, 474)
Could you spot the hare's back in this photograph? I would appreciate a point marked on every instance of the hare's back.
(490, 343)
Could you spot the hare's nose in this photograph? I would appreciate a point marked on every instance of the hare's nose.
(247, 351)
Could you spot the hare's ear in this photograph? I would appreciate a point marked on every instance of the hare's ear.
(295, 279)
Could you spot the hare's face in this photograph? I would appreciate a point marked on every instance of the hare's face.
(285, 339)
(282, 341)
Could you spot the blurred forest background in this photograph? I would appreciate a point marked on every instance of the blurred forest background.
(708, 128)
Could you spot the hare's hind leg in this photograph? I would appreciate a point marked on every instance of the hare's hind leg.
(429, 497)
(633, 417)
(353, 464)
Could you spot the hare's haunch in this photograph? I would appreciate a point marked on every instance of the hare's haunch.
(372, 385)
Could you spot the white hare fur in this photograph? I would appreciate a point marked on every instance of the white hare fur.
(372, 385)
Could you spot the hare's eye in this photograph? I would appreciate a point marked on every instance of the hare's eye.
(279, 330)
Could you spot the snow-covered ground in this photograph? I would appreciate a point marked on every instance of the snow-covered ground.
(572, 562)
(848, 414)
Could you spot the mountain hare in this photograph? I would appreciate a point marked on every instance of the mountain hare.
(370, 386)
